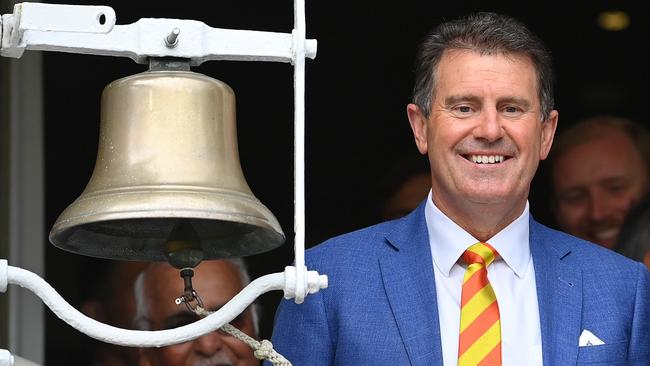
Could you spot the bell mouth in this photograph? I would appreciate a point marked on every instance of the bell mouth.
(143, 239)
(136, 223)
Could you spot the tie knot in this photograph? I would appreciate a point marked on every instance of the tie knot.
(482, 253)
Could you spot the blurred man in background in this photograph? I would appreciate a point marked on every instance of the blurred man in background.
(404, 187)
(599, 168)
(216, 282)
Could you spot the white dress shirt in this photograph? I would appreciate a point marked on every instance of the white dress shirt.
(512, 277)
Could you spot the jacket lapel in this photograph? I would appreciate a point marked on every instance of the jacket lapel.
(407, 275)
(559, 295)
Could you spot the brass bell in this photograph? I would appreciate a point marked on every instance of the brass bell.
(167, 184)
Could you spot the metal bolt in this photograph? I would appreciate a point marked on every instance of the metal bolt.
(172, 38)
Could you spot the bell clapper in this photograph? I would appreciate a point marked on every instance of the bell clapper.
(184, 252)
(189, 294)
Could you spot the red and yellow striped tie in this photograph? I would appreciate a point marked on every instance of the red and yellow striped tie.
(480, 327)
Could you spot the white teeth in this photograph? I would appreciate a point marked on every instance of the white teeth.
(606, 234)
(487, 159)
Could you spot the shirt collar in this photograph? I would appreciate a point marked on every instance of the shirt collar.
(448, 241)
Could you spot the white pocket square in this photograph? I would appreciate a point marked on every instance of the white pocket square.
(587, 339)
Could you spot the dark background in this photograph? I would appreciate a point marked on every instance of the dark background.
(357, 90)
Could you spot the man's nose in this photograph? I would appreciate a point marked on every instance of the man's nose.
(600, 206)
(489, 126)
(209, 344)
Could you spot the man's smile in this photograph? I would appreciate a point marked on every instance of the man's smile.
(485, 159)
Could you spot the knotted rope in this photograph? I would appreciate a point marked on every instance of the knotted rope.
(262, 350)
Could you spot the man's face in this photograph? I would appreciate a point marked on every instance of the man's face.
(216, 282)
(120, 309)
(483, 136)
(594, 185)
(121, 304)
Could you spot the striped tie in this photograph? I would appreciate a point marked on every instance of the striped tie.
(480, 327)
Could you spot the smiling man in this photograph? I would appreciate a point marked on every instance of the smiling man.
(469, 277)
(599, 171)
(216, 281)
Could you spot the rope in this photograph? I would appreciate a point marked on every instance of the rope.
(262, 350)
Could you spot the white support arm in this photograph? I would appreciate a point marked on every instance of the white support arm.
(91, 30)
(138, 338)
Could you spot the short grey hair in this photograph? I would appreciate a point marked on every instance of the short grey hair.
(486, 34)
(141, 319)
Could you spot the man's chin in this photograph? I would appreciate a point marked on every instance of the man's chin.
(606, 237)
(489, 198)
(607, 243)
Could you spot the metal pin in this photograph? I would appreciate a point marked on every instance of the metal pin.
(172, 38)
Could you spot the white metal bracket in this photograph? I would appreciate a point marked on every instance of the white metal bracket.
(90, 29)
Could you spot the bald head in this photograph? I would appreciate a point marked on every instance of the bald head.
(216, 282)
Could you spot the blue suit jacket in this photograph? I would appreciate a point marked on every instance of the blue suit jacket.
(380, 307)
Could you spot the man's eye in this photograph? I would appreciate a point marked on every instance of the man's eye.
(617, 188)
(462, 110)
(511, 109)
(239, 323)
(572, 197)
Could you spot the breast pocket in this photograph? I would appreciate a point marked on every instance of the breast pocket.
(610, 354)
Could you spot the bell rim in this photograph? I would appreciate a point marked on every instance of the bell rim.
(108, 205)
(273, 240)
(102, 203)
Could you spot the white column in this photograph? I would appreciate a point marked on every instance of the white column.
(26, 200)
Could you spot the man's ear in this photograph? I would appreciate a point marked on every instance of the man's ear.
(418, 126)
(548, 132)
